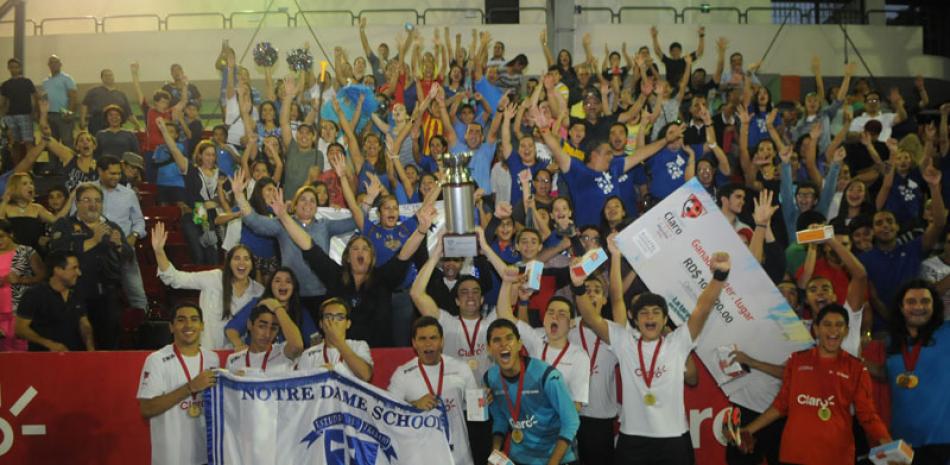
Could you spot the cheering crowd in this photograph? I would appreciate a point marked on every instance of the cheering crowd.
(245, 212)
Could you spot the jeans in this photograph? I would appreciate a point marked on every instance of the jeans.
(200, 254)
(132, 284)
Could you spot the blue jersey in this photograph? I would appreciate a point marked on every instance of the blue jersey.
(169, 174)
(515, 167)
(388, 242)
(919, 415)
(590, 189)
(667, 172)
(547, 412)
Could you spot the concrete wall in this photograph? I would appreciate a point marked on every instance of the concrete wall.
(888, 51)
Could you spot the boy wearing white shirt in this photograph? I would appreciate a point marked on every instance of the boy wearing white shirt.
(431, 377)
(336, 352)
(549, 344)
(170, 388)
(653, 427)
(262, 354)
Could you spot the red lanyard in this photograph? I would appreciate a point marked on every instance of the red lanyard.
(593, 357)
(425, 377)
(472, 339)
(247, 358)
(515, 409)
(910, 358)
(326, 360)
(648, 376)
(544, 354)
(181, 360)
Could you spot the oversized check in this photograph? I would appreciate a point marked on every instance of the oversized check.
(670, 246)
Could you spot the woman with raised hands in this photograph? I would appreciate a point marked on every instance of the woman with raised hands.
(223, 292)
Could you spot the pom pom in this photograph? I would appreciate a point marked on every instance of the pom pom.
(300, 59)
(265, 54)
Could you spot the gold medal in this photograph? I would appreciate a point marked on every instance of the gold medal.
(194, 410)
(473, 364)
(824, 413)
(901, 380)
(649, 399)
(912, 381)
(517, 435)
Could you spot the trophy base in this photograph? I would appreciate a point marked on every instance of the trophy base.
(460, 245)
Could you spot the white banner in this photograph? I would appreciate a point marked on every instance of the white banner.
(318, 418)
(670, 246)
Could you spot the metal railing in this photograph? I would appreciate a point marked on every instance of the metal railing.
(414, 16)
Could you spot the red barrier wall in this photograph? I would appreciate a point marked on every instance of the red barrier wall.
(80, 408)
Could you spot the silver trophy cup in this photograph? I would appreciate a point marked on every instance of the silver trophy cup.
(458, 194)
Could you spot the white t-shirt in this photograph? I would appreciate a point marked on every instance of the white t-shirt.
(886, 119)
(253, 363)
(232, 117)
(314, 357)
(456, 344)
(574, 365)
(852, 342)
(602, 399)
(177, 439)
(667, 417)
(407, 384)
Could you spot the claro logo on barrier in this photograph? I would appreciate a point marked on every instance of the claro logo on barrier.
(6, 428)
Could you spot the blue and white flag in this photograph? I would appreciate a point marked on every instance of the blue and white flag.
(318, 418)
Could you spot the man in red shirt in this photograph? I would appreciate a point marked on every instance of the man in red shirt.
(819, 388)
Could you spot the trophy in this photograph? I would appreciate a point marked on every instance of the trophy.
(458, 194)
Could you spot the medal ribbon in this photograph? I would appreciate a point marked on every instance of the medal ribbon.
(326, 359)
(247, 358)
(515, 410)
(648, 376)
(593, 357)
(825, 375)
(425, 377)
(181, 360)
(910, 358)
(473, 338)
(560, 355)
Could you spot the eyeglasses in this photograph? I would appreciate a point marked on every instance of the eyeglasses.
(334, 316)
(542, 181)
(589, 238)
(872, 100)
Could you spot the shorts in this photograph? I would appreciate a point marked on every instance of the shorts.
(21, 126)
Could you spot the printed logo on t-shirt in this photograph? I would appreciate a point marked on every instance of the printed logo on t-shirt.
(605, 183)
(660, 371)
(810, 401)
(527, 423)
(675, 167)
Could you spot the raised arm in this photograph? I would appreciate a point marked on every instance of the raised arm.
(367, 50)
(720, 263)
(423, 301)
(136, 85)
(562, 159)
(293, 339)
(548, 56)
(701, 48)
(721, 45)
(643, 152)
(590, 314)
(617, 286)
(886, 184)
(290, 90)
(933, 232)
(655, 37)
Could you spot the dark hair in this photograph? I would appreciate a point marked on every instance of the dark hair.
(499, 324)
(569, 302)
(59, 188)
(14, 60)
(260, 111)
(727, 190)
(898, 325)
(227, 276)
(257, 311)
(529, 231)
(461, 279)
(830, 308)
(106, 162)
(257, 195)
(603, 212)
(294, 307)
(201, 315)
(806, 219)
(676, 45)
(347, 270)
(425, 322)
(649, 299)
(58, 259)
(807, 185)
(222, 127)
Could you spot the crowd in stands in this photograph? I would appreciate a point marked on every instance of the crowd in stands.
(142, 199)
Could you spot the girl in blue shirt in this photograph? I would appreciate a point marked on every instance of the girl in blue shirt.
(281, 285)
(264, 248)
(267, 125)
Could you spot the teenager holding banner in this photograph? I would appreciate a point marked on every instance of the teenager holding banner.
(820, 389)
(267, 318)
(432, 377)
(170, 388)
(653, 427)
